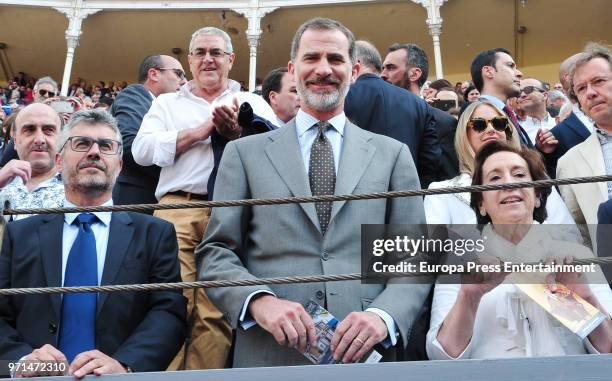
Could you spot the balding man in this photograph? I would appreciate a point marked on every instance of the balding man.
(32, 180)
(378, 106)
(157, 74)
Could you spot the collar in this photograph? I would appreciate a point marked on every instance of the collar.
(52, 181)
(186, 89)
(104, 217)
(603, 135)
(495, 100)
(305, 121)
(534, 119)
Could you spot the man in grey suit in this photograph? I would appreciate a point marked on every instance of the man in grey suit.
(319, 152)
(157, 74)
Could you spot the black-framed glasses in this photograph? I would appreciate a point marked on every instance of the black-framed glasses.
(200, 53)
(43, 93)
(179, 73)
(530, 89)
(499, 123)
(84, 144)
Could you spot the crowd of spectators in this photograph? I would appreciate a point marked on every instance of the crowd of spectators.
(339, 119)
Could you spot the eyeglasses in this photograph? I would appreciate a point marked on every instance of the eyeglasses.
(43, 93)
(179, 73)
(84, 144)
(214, 53)
(530, 89)
(499, 123)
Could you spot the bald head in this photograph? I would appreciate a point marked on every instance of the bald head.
(36, 137)
(565, 69)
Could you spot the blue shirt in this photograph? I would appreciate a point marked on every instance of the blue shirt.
(307, 132)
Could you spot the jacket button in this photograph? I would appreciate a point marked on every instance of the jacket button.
(325, 256)
(320, 294)
(52, 328)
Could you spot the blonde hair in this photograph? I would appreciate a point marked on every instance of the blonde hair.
(465, 152)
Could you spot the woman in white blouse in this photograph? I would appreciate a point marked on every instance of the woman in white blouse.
(489, 317)
(481, 122)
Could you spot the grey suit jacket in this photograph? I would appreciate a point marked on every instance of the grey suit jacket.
(285, 240)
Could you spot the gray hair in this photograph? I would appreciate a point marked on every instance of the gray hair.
(91, 117)
(367, 54)
(320, 23)
(212, 31)
(556, 94)
(47, 80)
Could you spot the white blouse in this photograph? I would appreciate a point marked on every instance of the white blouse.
(508, 323)
(455, 208)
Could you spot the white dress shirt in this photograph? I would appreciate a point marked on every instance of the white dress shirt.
(588, 122)
(508, 323)
(532, 125)
(455, 208)
(100, 229)
(307, 132)
(171, 113)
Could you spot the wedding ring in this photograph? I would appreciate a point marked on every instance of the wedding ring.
(359, 341)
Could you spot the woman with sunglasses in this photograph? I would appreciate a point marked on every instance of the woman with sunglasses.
(487, 315)
(481, 122)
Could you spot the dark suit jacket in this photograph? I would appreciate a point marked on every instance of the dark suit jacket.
(382, 108)
(129, 109)
(604, 235)
(446, 126)
(569, 133)
(143, 330)
(8, 153)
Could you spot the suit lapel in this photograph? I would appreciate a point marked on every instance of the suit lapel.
(593, 157)
(119, 239)
(575, 124)
(50, 234)
(284, 153)
(354, 160)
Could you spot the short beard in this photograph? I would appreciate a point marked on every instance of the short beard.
(91, 187)
(323, 102)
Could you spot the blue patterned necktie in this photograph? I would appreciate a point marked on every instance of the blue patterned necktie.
(78, 323)
(322, 173)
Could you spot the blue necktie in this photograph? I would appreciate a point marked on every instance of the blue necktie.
(78, 323)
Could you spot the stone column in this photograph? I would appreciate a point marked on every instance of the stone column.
(434, 22)
(254, 13)
(76, 14)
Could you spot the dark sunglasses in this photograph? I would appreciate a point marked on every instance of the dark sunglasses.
(43, 93)
(530, 89)
(499, 123)
(179, 73)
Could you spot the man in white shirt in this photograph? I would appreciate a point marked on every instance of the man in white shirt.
(532, 100)
(178, 134)
(278, 89)
(32, 180)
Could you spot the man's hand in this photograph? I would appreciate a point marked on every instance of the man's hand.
(546, 141)
(225, 119)
(45, 354)
(13, 169)
(356, 335)
(94, 362)
(287, 321)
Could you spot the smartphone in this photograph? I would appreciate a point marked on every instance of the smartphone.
(443, 105)
(62, 106)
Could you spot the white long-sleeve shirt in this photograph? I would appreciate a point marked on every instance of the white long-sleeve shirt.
(171, 113)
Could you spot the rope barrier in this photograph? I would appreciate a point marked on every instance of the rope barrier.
(308, 199)
(237, 283)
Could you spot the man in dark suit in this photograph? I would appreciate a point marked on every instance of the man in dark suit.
(157, 75)
(93, 333)
(407, 66)
(380, 107)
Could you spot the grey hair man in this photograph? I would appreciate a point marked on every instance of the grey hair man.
(45, 88)
(90, 333)
(301, 158)
(179, 133)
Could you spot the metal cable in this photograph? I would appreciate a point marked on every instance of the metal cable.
(307, 199)
(236, 283)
